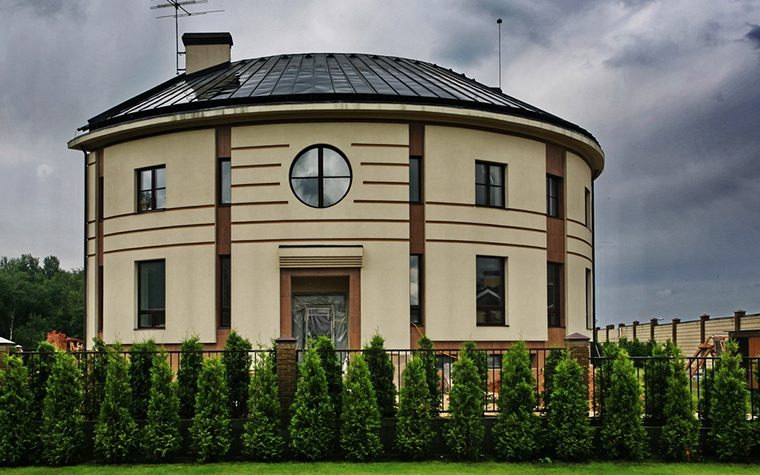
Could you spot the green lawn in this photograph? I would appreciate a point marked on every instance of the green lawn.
(423, 468)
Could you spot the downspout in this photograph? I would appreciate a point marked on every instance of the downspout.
(84, 267)
(593, 265)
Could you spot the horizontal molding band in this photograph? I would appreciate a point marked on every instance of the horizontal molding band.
(472, 205)
(163, 228)
(301, 221)
(160, 246)
(165, 210)
(579, 255)
(260, 203)
(487, 225)
(402, 183)
(257, 165)
(383, 164)
(253, 241)
(320, 261)
(252, 185)
(577, 222)
(381, 202)
(259, 147)
(381, 145)
(488, 243)
(570, 236)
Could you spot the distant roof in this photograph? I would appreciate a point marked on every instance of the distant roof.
(321, 78)
(5, 341)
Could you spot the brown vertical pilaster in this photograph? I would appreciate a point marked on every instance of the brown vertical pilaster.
(417, 218)
(286, 362)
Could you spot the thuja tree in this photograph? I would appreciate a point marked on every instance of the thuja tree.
(360, 420)
(413, 430)
(237, 362)
(517, 431)
(610, 352)
(190, 362)
(465, 430)
(61, 412)
(140, 362)
(730, 433)
(116, 428)
(160, 436)
(261, 438)
(552, 359)
(705, 401)
(210, 432)
(656, 379)
(623, 435)
(328, 359)
(432, 378)
(311, 424)
(381, 368)
(569, 432)
(95, 376)
(480, 360)
(40, 364)
(15, 414)
(680, 434)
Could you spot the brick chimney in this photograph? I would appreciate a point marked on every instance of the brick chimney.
(203, 50)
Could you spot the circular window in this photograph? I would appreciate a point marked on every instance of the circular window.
(320, 176)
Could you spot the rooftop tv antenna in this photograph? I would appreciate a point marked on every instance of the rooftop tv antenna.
(498, 22)
(180, 5)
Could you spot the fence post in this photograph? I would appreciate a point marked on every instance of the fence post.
(738, 315)
(608, 328)
(652, 323)
(674, 328)
(635, 325)
(579, 347)
(286, 361)
(702, 333)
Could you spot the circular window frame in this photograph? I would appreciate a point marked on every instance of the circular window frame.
(320, 175)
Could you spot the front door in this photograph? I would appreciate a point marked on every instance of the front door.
(321, 314)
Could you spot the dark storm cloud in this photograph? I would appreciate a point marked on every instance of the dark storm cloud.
(47, 8)
(645, 53)
(753, 36)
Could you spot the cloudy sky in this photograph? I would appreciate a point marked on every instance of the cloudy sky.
(670, 88)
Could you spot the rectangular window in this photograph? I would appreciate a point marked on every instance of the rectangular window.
(225, 183)
(415, 289)
(589, 301)
(415, 180)
(489, 184)
(588, 208)
(553, 189)
(151, 286)
(490, 290)
(554, 295)
(151, 189)
(225, 292)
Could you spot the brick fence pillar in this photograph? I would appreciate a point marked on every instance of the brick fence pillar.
(286, 361)
(652, 323)
(674, 333)
(702, 333)
(738, 315)
(635, 325)
(579, 347)
(608, 328)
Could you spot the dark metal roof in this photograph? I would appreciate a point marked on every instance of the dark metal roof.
(320, 78)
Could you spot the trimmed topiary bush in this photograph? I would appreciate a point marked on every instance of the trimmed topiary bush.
(610, 352)
(311, 425)
(140, 362)
(16, 437)
(360, 422)
(328, 359)
(414, 433)
(517, 431)
(730, 433)
(261, 439)
(237, 363)
(680, 434)
(160, 436)
(116, 429)
(623, 435)
(569, 433)
(62, 434)
(97, 368)
(480, 360)
(656, 379)
(381, 368)
(210, 433)
(432, 378)
(190, 362)
(465, 430)
(39, 371)
(552, 359)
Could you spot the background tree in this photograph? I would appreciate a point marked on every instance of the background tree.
(262, 440)
(328, 359)
(116, 428)
(311, 425)
(40, 365)
(190, 362)
(432, 377)
(465, 430)
(730, 432)
(414, 433)
(382, 370)
(680, 434)
(623, 435)
(517, 431)
(210, 433)
(160, 436)
(140, 363)
(15, 414)
(569, 433)
(360, 424)
(237, 363)
(61, 412)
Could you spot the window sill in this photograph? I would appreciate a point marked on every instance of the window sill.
(151, 211)
(150, 328)
(492, 325)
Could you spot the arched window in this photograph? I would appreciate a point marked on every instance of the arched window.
(320, 176)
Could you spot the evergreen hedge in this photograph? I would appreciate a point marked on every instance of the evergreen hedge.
(730, 433)
(465, 430)
(656, 379)
(550, 364)
(328, 359)
(262, 440)
(237, 363)
(360, 421)
(16, 439)
(382, 370)
(517, 431)
(140, 362)
(116, 428)
(210, 433)
(95, 384)
(190, 362)
(680, 434)
(480, 360)
(311, 425)
(62, 433)
(39, 367)
(432, 378)
(160, 436)
(413, 428)
(569, 433)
